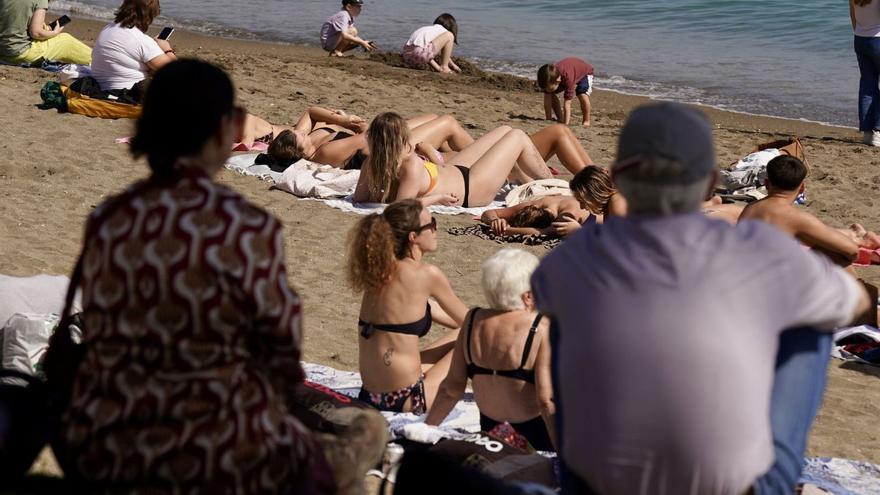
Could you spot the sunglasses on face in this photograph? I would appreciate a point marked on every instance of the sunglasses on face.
(430, 225)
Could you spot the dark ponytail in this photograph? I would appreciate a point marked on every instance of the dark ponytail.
(183, 108)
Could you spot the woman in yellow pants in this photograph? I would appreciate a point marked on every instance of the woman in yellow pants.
(25, 37)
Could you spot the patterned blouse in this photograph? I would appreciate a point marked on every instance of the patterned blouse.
(193, 338)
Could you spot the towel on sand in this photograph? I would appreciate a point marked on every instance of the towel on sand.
(536, 190)
(331, 185)
(485, 232)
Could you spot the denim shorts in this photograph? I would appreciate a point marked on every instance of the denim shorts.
(584, 86)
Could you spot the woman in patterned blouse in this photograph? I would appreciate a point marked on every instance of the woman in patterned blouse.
(191, 329)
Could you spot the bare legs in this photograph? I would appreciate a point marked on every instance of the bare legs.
(585, 108)
(443, 129)
(559, 140)
(444, 44)
(493, 157)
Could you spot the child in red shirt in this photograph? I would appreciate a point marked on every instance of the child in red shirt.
(573, 76)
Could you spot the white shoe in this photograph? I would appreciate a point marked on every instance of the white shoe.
(871, 138)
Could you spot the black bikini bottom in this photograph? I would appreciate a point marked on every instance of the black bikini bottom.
(466, 175)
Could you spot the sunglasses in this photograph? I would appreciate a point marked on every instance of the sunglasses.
(430, 225)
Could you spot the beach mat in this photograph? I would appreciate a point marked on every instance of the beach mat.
(485, 232)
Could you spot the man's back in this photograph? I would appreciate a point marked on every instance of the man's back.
(668, 336)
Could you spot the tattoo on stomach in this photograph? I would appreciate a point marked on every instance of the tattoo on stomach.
(386, 358)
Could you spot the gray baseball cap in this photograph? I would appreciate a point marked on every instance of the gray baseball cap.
(672, 131)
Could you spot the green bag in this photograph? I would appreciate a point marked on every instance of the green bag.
(52, 97)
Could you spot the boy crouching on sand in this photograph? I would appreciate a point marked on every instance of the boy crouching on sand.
(338, 34)
(573, 76)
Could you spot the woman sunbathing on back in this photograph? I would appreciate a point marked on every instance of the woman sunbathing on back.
(551, 215)
(398, 170)
(385, 262)
(334, 138)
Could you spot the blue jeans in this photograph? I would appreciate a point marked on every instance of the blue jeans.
(868, 56)
(798, 387)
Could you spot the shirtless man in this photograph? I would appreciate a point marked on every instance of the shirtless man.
(785, 181)
(551, 215)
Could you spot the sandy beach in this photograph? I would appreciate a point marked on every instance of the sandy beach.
(54, 168)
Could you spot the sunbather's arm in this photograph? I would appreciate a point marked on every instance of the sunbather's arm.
(441, 291)
(337, 152)
(440, 317)
(38, 30)
(617, 206)
(452, 388)
(498, 218)
(812, 232)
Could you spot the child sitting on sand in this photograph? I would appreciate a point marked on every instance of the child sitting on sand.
(338, 34)
(573, 76)
(428, 41)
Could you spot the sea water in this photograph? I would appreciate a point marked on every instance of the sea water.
(786, 59)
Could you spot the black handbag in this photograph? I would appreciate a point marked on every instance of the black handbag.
(25, 423)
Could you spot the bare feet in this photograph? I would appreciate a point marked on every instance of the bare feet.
(585, 123)
(336, 53)
(864, 237)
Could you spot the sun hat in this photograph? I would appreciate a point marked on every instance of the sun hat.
(680, 136)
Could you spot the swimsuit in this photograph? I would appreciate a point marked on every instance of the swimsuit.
(520, 373)
(534, 430)
(418, 328)
(267, 139)
(465, 174)
(394, 401)
(433, 171)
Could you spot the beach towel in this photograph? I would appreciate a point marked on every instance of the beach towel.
(333, 186)
(485, 232)
(537, 189)
(842, 476)
(860, 344)
(25, 338)
(40, 294)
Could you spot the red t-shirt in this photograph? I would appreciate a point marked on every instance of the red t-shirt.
(572, 70)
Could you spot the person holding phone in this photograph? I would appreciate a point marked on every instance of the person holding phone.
(124, 55)
(25, 36)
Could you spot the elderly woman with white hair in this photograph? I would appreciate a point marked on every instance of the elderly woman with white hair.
(505, 351)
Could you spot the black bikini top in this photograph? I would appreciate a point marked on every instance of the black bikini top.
(525, 375)
(419, 328)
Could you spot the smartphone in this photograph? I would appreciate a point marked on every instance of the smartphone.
(63, 20)
(166, 33)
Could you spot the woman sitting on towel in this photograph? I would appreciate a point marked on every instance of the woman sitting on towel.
(402, 296)
(398, 170)
(331, 137)
(192, 333)
(505, 351)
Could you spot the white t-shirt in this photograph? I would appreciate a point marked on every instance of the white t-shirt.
(668, 335)
(424, 35)
(120, 56)
(867, 20)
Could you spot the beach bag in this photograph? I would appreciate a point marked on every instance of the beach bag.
(81, 104)
(495, 457)
(322, 409)
(52, 97)
(791, 146)
(25, 422)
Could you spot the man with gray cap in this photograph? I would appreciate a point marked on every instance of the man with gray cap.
(676, 371)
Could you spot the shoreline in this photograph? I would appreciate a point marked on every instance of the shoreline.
(55, 168)
(250, 36)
